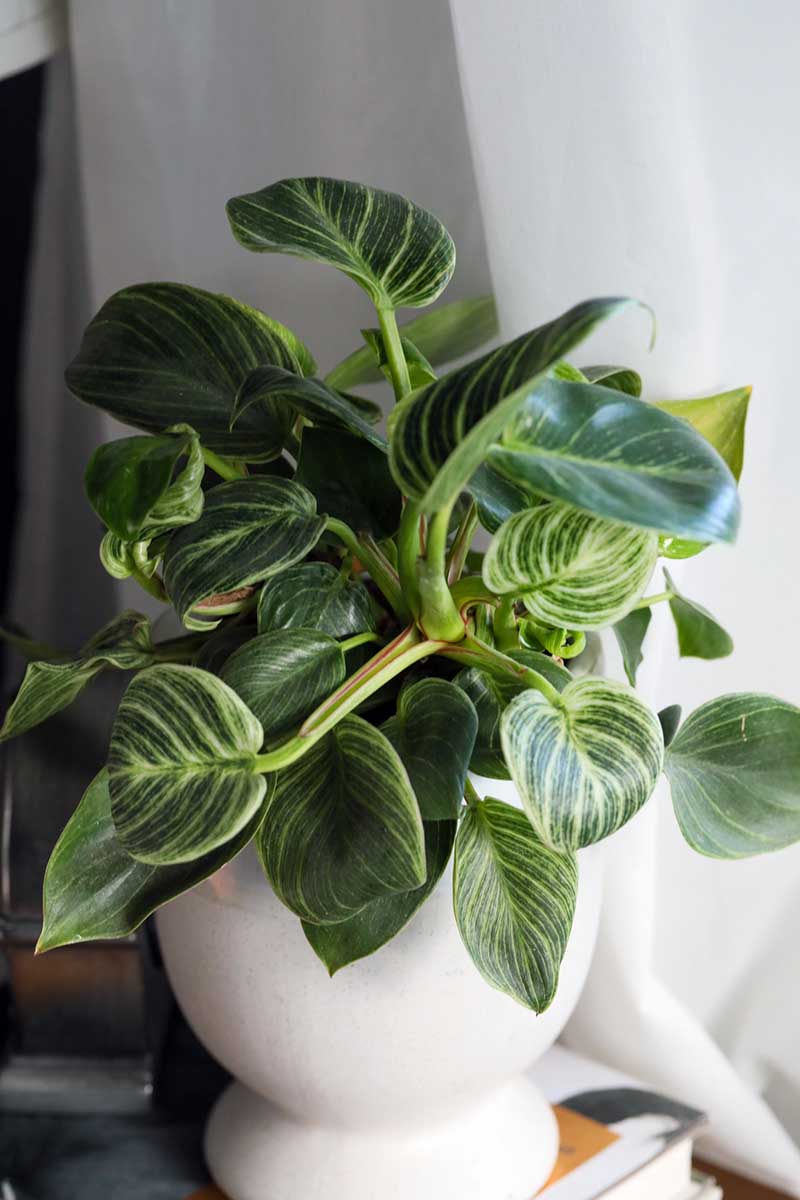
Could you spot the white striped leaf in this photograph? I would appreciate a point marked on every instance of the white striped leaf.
(514, 902)
(434, 732)
(162, 353)
(282, 676)
(734, 770)
(343, 827)
(380, 920)
(250, 530)
(571, 569)
(181, 765)
(48, 687)
(439, 435)
(116, 555)
(613, 455)
(699, 634)
(267, 386)
(315, 595)
(584, 768)
(446, 333)
(399, 253)
(490, 693)
(94, 889)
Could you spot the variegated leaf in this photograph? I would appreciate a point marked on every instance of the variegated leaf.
(315, 595)
(116, 555)
(439, 436)
(446, 333)
(699, 634)
(399, 253)
(619, 379)
(282, 676)
(584, 768)
(343, 827)
(94, 889)
(267, 386)
(162, 353)
(379, 921)
(434, 732)
(250, 530)
(618, 457)
(734, 770)
(571, 569)
(514, 902)
(181, 765)
(630, 632)
(720, 419)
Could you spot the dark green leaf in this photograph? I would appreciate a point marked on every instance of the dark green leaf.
(250, 530)
(669, 719)
(630, 633)
(399, 253)
(699, 635)
(25, 645)
(343, 827)
(181, 765)
(434, 733)
(380, 920)
(220, 645)
(619, 379)
(267, 386)
(315, 595)
(514, 902)
(734, 769)
(654, 471)
(498, 498)
(351, 481)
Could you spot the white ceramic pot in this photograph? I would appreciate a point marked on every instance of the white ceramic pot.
(402, 1078)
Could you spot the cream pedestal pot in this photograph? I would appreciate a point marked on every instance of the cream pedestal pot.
(402, 1078)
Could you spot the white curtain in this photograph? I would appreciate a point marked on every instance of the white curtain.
(619, 146)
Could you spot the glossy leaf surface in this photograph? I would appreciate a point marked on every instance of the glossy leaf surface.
(699, 634)
(619, 379)
(315, 595)
(268, 387)
(351, 481)
(720, 419)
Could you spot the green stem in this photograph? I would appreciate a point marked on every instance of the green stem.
(506, 630)
(226, 470)
(648, 601)
(471, 590)
(471, 796)
(395, 358)
(461, 544)
(439, 616)
(368, 552)
(360, 639)
(409, 551)
(471, 652)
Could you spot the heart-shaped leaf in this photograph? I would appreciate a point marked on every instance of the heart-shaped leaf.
(630, 633)
(514, 902)
(619, 379)
(250, 530)
(620, 458)
(181, 765)
(734, 770)
(720, 419)
(699, 635)
(571, 569)
(399, 253)
(434, 732)
(447, 333)
(48, 687)
(439, 436)
(162, 353)
(94, 889)
(314, 595)
(310, 397)
(380, 920)
(490, 693)
(583, 769)
(351, 481)
(343, 827)
(282, 676)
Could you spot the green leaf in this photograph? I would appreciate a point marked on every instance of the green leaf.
(116, 556)
(93, 889)
(379, 921)
(514, 902)
(669, 719)
(420, 371)
(653, 471)
(699, 635)
(439, 436)
(162, 353)
(619, 379)
(497, 498)
(314, 595)
(48, 687)
(571, 569)
(585, 768)
(351, 481)
(250, 530)
(734, 770)
(25, 645)
(673, 547)
(720, 419)
(343, 827)
(490, 694)
(630, 633)
(282, 676)
(448, 332)
(182, 765)
(220, 645)
(434, 732)
(399, 253)
(267, 386)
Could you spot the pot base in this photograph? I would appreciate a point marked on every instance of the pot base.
(504, 1148)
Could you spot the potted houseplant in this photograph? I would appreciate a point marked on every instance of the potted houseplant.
(370, 707)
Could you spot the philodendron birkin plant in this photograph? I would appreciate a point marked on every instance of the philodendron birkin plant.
(349, 655)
